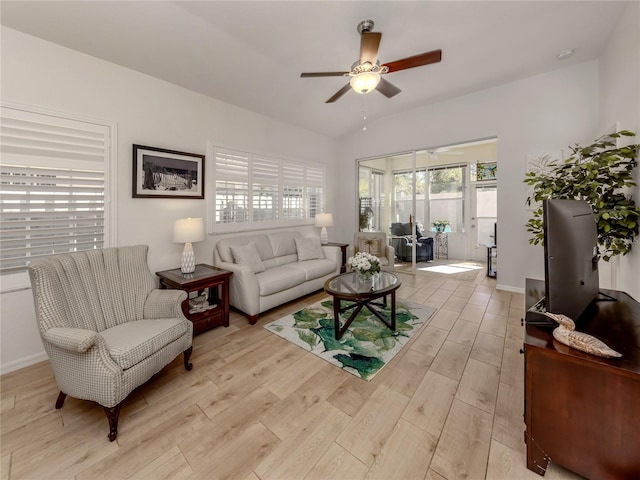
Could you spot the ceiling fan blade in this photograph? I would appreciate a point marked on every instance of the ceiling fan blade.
(339, 93)
(369, 43)
(323, 74)
(416, 61)
(388, 89)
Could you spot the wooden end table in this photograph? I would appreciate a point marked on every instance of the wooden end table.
(205, 314)
(343, 248)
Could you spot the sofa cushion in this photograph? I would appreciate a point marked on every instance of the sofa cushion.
(314, 268)
(277, 279)
(309, 248)
(132, 342)
(223, 246)
(247, 255)
(279, 261)
(283, 243)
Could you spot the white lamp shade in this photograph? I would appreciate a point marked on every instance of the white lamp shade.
(324, 220)
(365, 82)
(188, 230)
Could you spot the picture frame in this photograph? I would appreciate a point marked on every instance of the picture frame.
(486, 171)
(162, 173)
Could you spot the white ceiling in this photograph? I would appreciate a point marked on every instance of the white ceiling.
(251, 54)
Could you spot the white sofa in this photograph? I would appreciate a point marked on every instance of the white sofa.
(288, 267)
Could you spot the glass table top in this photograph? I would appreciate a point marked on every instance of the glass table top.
(350, 284)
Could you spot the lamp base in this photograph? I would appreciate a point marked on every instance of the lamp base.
(324, 238)
(188, 264)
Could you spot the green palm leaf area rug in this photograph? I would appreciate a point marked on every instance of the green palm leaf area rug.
(368, 344)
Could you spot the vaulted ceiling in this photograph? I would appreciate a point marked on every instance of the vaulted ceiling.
(251, 53)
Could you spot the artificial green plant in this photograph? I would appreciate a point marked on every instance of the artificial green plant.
(598, 174)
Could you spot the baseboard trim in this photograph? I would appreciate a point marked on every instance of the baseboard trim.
(509, 288)
(23, 362)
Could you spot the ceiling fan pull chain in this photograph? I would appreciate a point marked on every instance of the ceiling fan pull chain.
(364, 116)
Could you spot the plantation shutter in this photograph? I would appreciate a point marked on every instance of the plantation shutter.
(314, 182)
(52, 179)
(232, 187)
(265, 189)
(254, 191)
(292, 191)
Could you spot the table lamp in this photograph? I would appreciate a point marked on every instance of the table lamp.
(188, 230)
(324, 220)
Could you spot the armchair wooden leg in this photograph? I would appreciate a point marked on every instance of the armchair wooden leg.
(187, 355)
(253, 319)
(60, 401)
(113, 413)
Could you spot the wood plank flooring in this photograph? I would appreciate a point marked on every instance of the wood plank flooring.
(255, 407)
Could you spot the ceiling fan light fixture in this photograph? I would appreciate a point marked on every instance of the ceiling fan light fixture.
(365, 82)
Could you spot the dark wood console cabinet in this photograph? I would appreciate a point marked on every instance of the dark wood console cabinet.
(583, 411)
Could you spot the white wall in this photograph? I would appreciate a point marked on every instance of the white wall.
(619, 69)
(148, 112)
(539, 114)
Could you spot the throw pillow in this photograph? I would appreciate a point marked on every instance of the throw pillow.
(371, 245)
(248, 255)
(309, 248)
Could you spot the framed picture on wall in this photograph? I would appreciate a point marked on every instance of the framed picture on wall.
(160, 173)
(486, 171)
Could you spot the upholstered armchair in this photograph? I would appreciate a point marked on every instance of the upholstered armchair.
(376, 244)
(104, 325)
(402, 242)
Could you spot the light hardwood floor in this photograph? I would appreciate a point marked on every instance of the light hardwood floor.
(448, 406)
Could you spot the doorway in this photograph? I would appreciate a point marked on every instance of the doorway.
(444, 196)
(484, 211)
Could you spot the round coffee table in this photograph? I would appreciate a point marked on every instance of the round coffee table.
(350, 288)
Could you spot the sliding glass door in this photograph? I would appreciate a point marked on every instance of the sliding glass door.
(434, 193)
(392, 213)
(484, 203)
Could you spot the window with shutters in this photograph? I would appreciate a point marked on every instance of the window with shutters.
(256, 191)
(292, 191)
(314, 182)
(53, 175)
(265, 188)
(231, 188)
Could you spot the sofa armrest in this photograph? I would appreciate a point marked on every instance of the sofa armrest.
(391, 254)
(161, 303)
(244, 292)
(82, 365)
(334, 254)
(73, 339)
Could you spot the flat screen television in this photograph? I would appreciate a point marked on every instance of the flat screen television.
(570, 256)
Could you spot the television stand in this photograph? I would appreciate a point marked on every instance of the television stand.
(581, 411)
(607, 298)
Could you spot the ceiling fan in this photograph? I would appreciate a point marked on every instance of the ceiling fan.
(434, 154)
(366, 73)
